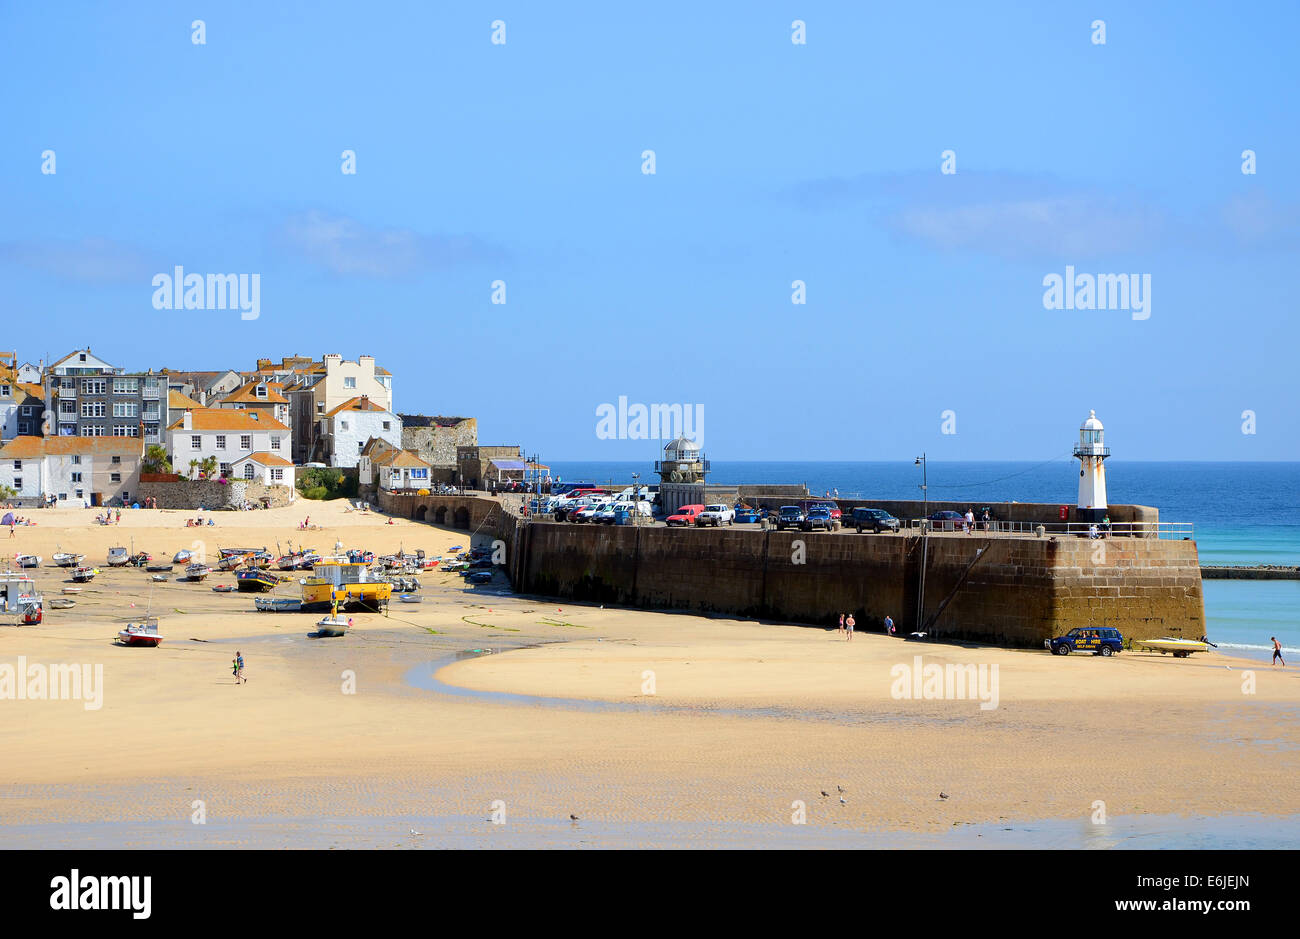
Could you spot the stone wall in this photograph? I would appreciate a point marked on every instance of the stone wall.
(1025, 512)
(435, 439)
(211, 494)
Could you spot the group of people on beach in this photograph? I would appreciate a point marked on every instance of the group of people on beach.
(847, 624)
(198, 522)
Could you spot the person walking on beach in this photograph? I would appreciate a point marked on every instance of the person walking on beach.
(848, 627)
(1277, 652)
(239, 668)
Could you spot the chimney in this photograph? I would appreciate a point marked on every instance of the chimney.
(187, 422)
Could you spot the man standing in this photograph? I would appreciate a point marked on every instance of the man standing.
(848, 626)
(970, 522)
(1277, 652)
(889, 625)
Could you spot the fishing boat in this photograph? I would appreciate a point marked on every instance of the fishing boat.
(1180, 648)
(196, 572)
(277, 604)
(62, 603)
(158, 568)
(84, 575)
(297, 560)
(347, 585)
(65, 559)
(28, 560)
(256, 580)
(182, 557)
(141, 634)
(118, 557)
(332, 626)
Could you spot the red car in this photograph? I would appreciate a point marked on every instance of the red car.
(686, 515)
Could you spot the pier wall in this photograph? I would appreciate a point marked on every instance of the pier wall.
(1006, 590)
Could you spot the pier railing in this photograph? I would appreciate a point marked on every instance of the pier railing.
(1170, 530)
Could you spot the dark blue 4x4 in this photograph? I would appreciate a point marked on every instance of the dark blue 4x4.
(1099, 640)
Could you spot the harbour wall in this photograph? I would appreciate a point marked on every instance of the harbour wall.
(1013, 591)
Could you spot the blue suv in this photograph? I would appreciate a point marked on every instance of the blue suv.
(1099, 640)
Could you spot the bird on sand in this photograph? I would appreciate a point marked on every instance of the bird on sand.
(825, 794)
(943, 795)
(414, 832)
(573, 817)
(841, 789)
(842, 802)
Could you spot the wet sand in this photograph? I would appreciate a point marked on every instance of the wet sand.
(746, 723)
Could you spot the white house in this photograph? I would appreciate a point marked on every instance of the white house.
(72, 469)
(267, 468)
(228, 435)
(344, 431)
(392, 468)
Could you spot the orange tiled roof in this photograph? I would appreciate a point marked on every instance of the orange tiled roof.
(400, 458)
(227, 419)
(180, 402)
(266, 459)
(247, 394)
(361, 403)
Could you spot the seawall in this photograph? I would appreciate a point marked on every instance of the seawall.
(1007, 590)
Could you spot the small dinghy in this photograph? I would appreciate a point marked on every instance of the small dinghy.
(158, 568)
(28, 560)
(277, 604)
(409, 598)
(73, 590)
(141, 634)
(159, 578)
(182, 557)
(64, 559)
(224, 588)
(1181, 648)
(62, 603)
(332, 626)
(196, 572)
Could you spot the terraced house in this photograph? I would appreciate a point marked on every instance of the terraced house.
(90, 470)
(89, 397)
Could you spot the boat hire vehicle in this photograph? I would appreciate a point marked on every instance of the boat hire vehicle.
(255, 580)
(141, 634)
(28, 560)
(64, 559)
(84, 575)
(19, 601)
(1179, 648)
(118, 557)
(349, 585)
(196, 572)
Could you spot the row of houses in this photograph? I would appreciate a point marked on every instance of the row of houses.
(256, 424)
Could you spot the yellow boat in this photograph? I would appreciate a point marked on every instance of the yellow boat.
(349, 584)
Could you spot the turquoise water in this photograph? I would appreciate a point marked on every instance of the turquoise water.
(1243, 513)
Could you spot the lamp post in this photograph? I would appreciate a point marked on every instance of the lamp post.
(636, 500)
(925, 542)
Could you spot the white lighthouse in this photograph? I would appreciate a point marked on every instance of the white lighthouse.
(1092, 452)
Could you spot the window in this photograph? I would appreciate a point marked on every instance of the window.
(246, 441)
(125, 409)
(343, 425)
(63, 497)
(196, 442)
(18, 464)
(419, 473)
(115, 477)
(93, 430)
(248, 470)
(92, 409)
(360, 446)
(221, 441)
(4, 391)
(28, 410)
(261, 391)
(24, 427)
(76, 459)
(275, 443)
(126, 430)
(80, 493)
(126, 386)
(349, 383)
(388, 425)
(117, 459)
(93, 386)
(225, 469)
(277, 473)
(76, 477)
(18, 483)
(67, 407)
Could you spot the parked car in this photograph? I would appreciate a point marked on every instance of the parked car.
(877, 520)
(818, 519)
(586, 513)
(716, 515)
(686, 515)
(946, 520)
(1099, 640)
(746, 516)
(605, 514)
(830, 505)
(790, 516)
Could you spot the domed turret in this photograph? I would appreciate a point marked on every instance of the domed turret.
(1091, 450)
(683, 462)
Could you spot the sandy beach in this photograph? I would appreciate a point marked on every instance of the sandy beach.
(653, 725)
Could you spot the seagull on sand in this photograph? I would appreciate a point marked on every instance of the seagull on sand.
(943, 795)
(414, 832)
(825, 794)
(842, 802)
(573, 817)
(841, 789)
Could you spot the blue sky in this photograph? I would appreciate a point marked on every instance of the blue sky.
(775, 162)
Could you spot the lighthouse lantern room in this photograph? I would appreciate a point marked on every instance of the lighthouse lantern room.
(1092, 452)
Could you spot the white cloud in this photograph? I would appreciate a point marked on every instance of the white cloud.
(347, 247)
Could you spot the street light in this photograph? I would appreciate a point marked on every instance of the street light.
(925, 542)
(636, 500)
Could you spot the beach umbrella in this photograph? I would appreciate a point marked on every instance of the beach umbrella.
(8, 519)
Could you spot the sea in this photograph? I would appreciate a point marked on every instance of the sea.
(1242, 513)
